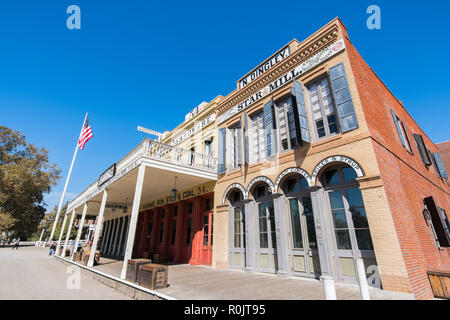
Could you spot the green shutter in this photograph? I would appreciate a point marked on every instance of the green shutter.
(343, 98)
(297, 93)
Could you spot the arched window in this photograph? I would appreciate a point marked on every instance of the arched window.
(261, 193)
(238, 218)
(348, 212)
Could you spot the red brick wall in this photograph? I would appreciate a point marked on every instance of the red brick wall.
(406, 180)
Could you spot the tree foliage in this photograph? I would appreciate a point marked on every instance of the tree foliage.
(25, 176)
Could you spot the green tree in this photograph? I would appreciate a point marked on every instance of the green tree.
(25, 176)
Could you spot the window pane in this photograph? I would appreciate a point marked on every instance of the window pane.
(332, 124)
(174, 228)
(304, 184)
(336, 200)
(364, 240)
(188, 231)
(355, 198)
(343, 240)
(161, 232)
(308, 212)
(263, 240)
(272, 223)
(339, 218)
(331, 177)
(320, 128)
(359, 217)
(297, 240)
(349, 174)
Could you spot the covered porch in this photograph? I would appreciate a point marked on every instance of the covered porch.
(128, 188)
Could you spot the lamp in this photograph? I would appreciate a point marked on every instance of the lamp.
(173, 193)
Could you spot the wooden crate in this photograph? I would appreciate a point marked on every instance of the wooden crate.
(133, 268)
(153, 276)
(77, 257)
(440, 283)
(87, 253)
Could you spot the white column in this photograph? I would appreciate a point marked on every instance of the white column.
(80, 229)
(122, 219)
(363, 285)
(61, 233)
(105, 237)
(97, 229)
(68, 233)
(133, 220)
(40, 238)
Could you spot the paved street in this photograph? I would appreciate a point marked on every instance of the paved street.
(27, 273)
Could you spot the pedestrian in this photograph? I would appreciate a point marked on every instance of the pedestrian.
(52, 249)
(16, 244)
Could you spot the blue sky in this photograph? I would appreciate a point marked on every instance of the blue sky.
(149, 62)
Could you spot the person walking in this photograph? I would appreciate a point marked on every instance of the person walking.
(52, 249)
(16, 244)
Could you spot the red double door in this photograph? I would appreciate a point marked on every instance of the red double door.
(182, 231)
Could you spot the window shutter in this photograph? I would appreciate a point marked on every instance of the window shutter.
(246, 147)
(445, 222)
(299, 100)
(238, 135)
(407, 137)
(422, 150)
(269, 125)
(343, 98)
(440, 165)
(438, 222)
(221, 151)
(397, 125)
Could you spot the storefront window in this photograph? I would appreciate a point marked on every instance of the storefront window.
(347, 204)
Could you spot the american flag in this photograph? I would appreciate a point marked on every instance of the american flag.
(86, 134)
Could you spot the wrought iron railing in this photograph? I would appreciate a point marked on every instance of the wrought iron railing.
(187, 158)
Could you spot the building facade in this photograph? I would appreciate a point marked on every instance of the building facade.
(322, 168)
(309, 168)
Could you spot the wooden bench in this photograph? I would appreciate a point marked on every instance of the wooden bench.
(133, 268)
(440, 283)
(153, 276)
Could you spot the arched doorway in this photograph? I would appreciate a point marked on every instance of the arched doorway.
(349, 224)
(302, 245)
(266, 254)
(237, 243)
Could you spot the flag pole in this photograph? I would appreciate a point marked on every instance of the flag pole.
(67, 182)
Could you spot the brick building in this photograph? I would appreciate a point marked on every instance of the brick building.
(320, 166)
(311, 167)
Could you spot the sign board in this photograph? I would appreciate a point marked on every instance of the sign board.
(315, 60)
(182, 195)
(264, 67)
(108, 174)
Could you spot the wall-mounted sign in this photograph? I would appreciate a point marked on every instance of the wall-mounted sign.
(352, 163)
(293, 170)
(195, 111)
(114, 206)
(199, 125)
(108, 174)
(259, 179)
(182, 195)
(263, 67)
(288, 77)
(230, 187)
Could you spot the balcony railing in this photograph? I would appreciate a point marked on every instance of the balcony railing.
(164, 152)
